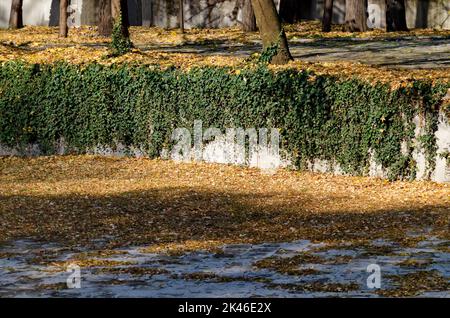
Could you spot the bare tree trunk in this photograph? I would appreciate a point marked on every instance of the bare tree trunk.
(396, 15)
(181, 16)
(16, 15)
(147, 13)
(327, 15)
(105, 19)
(63, 27)
(119, 9)
(356, 15)
(291, 10)
(116, 9)
(272, 34)
(422, 11)
(248, 17)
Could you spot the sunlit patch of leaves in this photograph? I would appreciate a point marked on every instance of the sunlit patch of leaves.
(42, 45)
(177, 208)
(290, 265)
(416, 283)
(416, 263)
(209, 276)
(316, 286)
(55, 286)
(132, 270)
(89, 262)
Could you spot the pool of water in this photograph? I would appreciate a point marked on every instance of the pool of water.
(34, 269)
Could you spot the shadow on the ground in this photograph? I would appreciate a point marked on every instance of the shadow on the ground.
(425, 52)
(179, 214)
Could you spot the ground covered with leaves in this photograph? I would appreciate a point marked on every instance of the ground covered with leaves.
(78, 199)
(36, 36)
(168, 208)
(168, 48)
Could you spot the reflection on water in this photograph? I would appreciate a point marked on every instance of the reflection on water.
(32, 269)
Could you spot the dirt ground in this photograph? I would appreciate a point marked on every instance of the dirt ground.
(154, 228)
(77, 199)
(394, 57)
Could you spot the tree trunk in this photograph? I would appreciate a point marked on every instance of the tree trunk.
(395, 15)
(63, 27)
(147, 13)
(327, 15)
(356, 15)
(105, 19)
(181, 15)
(248, 17)
(291, 10)
(119, 9)
(272, 34)
(16, 16)
(422, 11)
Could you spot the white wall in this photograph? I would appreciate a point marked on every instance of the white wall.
(421, 13)
(35, 12)
(432, 13)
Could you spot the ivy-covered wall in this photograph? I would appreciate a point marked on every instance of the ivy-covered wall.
(345, 121)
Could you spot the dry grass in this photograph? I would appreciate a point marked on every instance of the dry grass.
(76, 199)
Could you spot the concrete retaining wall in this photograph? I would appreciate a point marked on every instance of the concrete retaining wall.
(219, 150)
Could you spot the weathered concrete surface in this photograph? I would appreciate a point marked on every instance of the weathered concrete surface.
(269, 158)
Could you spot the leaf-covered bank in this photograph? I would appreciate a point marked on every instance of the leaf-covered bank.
(341, 120)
